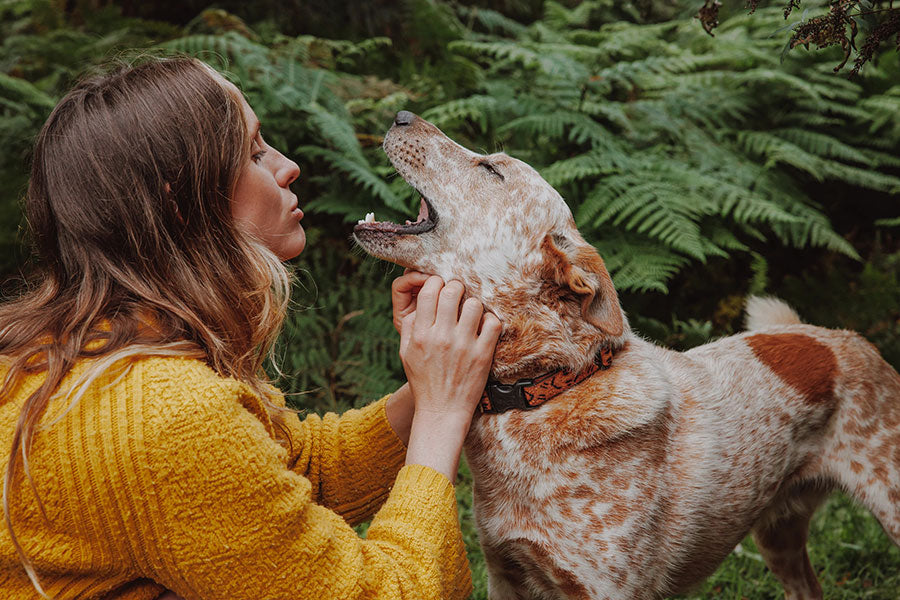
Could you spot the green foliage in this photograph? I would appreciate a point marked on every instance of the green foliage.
(867, 301)
(339, 347)
(701, 168)
(678, 149)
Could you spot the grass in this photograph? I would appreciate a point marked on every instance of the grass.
(851, 554)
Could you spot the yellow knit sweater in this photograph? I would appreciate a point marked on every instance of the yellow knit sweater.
(172, 478)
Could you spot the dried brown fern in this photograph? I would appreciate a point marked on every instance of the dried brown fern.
(836, 27)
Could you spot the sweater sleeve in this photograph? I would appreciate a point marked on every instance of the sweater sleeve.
(351, 461)
(215, 513)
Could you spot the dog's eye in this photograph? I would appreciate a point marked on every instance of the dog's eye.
(491, 169)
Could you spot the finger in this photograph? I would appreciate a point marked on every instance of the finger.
(410, 280)
(470, 316)
(448, 303)
(490, 330)
(427, 300)
(405, 288)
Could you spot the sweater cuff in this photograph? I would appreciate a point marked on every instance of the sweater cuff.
(381, 439)
(424, 501)
(377, 412)
(430, 488)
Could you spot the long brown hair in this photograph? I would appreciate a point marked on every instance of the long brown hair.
(129, 211)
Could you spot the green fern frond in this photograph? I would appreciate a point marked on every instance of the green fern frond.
(474, 108)
(338, 347)
(595, 163)
(656, 209)
(558, 16)
(638, 265)
(882, 112)
(813, 229)
(862, 177)
(625, 41)
(578, 127)
(775, 149)
(18, 93)
(820, 144)
(722, 240)
(336, 130)
(836, 108)
(236, 50)
(769, 79)
(615, 113)
(360, 173)
(513, 53)
(493, 21)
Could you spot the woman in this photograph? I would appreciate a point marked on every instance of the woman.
(143, 449)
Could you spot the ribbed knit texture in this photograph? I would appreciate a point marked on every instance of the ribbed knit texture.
(172, 478)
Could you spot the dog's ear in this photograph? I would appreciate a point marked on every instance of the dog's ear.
(577, 266)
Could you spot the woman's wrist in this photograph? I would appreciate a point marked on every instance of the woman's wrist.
(436, 441)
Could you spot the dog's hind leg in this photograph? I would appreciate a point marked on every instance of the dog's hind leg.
(780, 535)
(863, 451)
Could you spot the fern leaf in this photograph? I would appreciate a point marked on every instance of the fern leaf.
(360, 173)
(473, 108)
(335, 130)
(15, 89)
(590, 164)
(638, 265)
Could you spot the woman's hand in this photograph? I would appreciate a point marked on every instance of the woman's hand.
(447, 353)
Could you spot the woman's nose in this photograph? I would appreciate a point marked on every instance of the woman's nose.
(288, 172)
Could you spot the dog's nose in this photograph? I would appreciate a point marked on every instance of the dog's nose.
(404, 117)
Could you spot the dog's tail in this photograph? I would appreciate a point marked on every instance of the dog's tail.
(768, 311)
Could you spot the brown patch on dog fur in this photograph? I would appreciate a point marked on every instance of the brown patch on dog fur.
(800, 361)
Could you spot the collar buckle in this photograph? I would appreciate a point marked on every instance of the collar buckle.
(506, 396)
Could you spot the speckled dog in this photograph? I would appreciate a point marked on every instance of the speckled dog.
(644, 467)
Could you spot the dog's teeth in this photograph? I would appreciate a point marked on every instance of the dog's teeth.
(370, 217)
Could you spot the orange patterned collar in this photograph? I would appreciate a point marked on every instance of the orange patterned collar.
(526, 394)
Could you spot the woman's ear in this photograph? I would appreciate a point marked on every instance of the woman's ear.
(576, 265)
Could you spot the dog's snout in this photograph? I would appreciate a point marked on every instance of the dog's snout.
(404, 117)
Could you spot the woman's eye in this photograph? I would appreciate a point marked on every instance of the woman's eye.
(258, 156)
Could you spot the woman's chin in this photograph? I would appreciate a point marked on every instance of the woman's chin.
(293, 248)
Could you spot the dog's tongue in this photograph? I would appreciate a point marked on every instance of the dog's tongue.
(423, 210)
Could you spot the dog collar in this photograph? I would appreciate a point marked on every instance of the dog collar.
(526, 394)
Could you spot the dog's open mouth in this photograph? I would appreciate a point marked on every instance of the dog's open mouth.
(426, 221)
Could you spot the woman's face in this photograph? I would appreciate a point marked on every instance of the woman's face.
(263, 203)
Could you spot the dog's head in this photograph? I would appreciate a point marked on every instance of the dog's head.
(492, 222)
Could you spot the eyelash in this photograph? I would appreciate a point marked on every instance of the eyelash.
(492, 170)
(258, 156)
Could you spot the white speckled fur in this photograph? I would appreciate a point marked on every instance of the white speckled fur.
(639, 481)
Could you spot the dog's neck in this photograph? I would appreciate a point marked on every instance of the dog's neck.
(541, 334)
